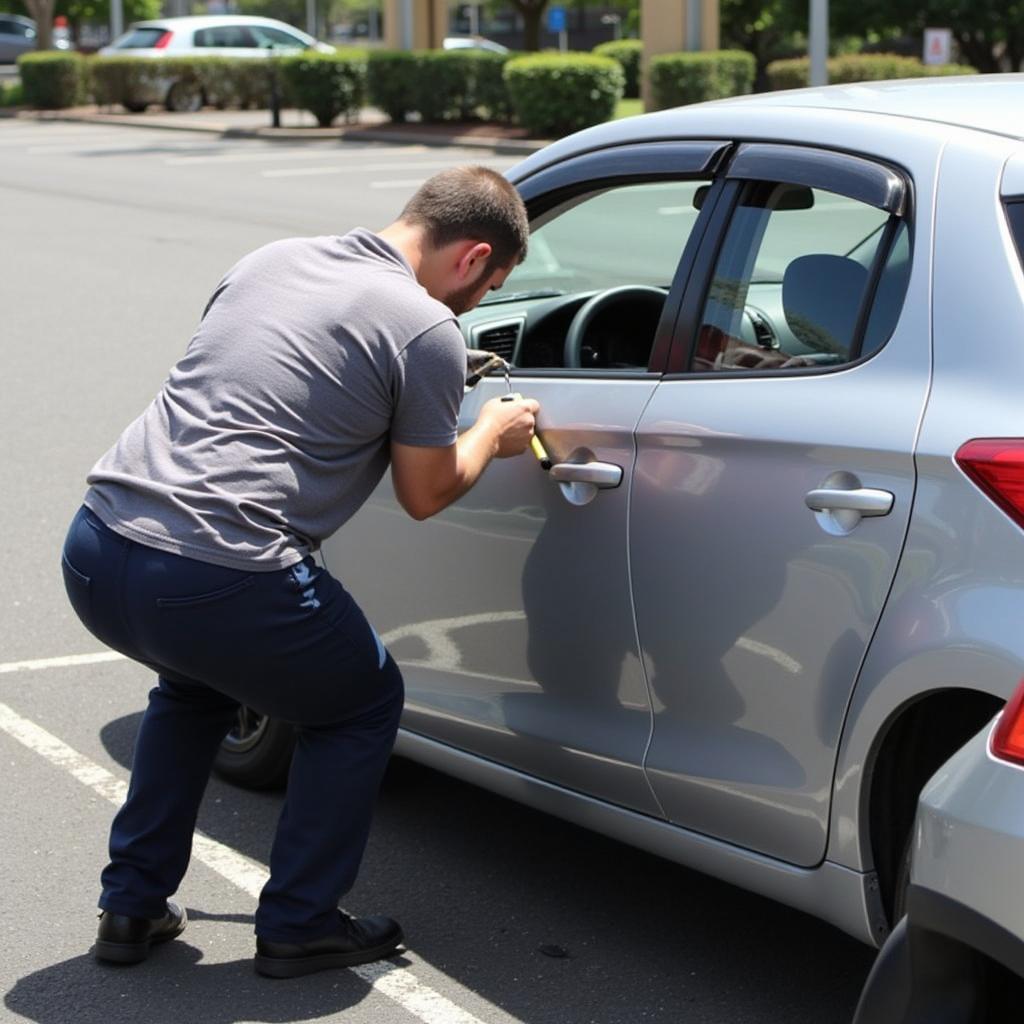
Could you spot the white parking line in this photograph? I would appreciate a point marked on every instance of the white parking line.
(66, 662)
(297, 172)
(398, 984)
(279, 152)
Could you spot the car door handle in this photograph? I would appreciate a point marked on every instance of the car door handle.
(599, 474)
(864, 500)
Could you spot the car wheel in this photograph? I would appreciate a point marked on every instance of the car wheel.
(257, 752)
(134, 107)
(184, 97)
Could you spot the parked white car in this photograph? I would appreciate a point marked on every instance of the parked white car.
(225, 35)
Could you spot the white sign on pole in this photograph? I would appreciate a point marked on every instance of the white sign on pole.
(938, 45)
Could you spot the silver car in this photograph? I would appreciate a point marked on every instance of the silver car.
(18, 36)
(958, 954)
(775, 576)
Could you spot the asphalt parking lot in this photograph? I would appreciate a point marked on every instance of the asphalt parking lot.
(112, 240)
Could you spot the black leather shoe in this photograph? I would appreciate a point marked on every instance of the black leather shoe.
(121, 939)
(358, 940)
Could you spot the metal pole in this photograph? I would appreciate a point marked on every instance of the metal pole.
(818, 38)
(311, 17)
(693, 24)
(116, 18)
(474, 19)
(407, 34)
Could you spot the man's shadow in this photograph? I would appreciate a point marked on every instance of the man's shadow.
(87, 992)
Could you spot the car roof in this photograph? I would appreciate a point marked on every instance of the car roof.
(210, 21)
(985, 103)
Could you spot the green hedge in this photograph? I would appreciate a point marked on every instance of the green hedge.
(555, 93)
(12, 94)
(680, 78)
(438, 85)
(326, 84)
(862, 67)
(628, 52)
(52, 81)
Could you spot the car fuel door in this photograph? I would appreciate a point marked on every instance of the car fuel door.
(773, 487)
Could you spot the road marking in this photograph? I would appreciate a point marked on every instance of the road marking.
(66, 662)
(279, 152)
(398, 183)
(399, 985)
(297, 172)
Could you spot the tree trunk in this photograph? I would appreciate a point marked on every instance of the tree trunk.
(41, 11)
(978, 52)
(531, 10)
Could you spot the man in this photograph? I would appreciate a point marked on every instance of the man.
(317, 362)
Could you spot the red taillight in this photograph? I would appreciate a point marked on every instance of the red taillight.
(996, 465)
(1008, 738)
(161, 43)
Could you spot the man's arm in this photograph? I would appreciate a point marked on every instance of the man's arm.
(427, 480)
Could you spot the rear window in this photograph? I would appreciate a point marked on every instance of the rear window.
(140, 39)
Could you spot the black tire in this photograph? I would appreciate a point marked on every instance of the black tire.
(184, 97)
(257, 753)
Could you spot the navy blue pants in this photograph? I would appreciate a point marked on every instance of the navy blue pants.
(291, 644)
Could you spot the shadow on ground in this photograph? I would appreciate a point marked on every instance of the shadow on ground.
(480, 885)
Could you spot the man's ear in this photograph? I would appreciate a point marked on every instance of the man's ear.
(474, 256)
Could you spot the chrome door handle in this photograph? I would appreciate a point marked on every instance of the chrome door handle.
(598, 474)
(866, 501)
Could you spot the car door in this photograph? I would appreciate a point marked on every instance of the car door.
(510, 613)
(773, 486)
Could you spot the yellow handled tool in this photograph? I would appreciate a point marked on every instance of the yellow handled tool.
(536, 444)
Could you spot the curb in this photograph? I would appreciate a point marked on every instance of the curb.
(495, 144)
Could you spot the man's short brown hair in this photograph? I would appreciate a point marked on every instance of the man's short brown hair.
(472, 202)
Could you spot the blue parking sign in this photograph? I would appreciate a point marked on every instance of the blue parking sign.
(556, 19)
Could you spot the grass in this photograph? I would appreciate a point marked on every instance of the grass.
(627, 108)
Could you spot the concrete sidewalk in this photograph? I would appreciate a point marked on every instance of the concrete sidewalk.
(371, 126)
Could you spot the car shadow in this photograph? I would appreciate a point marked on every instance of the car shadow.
(548, 921)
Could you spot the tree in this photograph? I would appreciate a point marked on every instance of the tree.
(764, 28)
(990, 33)
(531, 10)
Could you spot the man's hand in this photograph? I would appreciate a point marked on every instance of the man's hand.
(514, 421)
(427, 480)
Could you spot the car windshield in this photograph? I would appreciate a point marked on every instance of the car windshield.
(626, 235)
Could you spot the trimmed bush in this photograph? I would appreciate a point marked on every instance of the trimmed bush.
(12, 94)
(628, 52)
(52, 81)
(392, 81)
(681, 78)
(555, 93)
(131, 81)
(326, 84)
(860, 67)
(439, 85)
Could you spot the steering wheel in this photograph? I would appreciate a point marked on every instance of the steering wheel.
(596, 304)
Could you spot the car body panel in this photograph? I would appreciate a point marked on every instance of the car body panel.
(950, 620)
(531, 658)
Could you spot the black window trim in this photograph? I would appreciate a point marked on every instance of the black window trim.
(628, 164)
(814, 168)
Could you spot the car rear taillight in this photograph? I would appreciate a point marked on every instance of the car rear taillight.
(1008, 738)
(996, 465)
(161, 43)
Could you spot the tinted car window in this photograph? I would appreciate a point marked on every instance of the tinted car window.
(793, 279)
(228, 36)
(140, 39)
(16, 28)
(633, 234)
(268, 36)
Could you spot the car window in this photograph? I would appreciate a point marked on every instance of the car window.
(794, 279)
(633, 234)
(140, 39)
(227, 36)
(268, 36)
(16, 28)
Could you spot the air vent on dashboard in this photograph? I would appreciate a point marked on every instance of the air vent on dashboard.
(501, 339)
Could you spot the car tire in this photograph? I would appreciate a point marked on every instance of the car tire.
(134, 107)
(184, 97)
(257, 753)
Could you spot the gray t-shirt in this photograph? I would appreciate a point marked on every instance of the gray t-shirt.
(312, 355)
